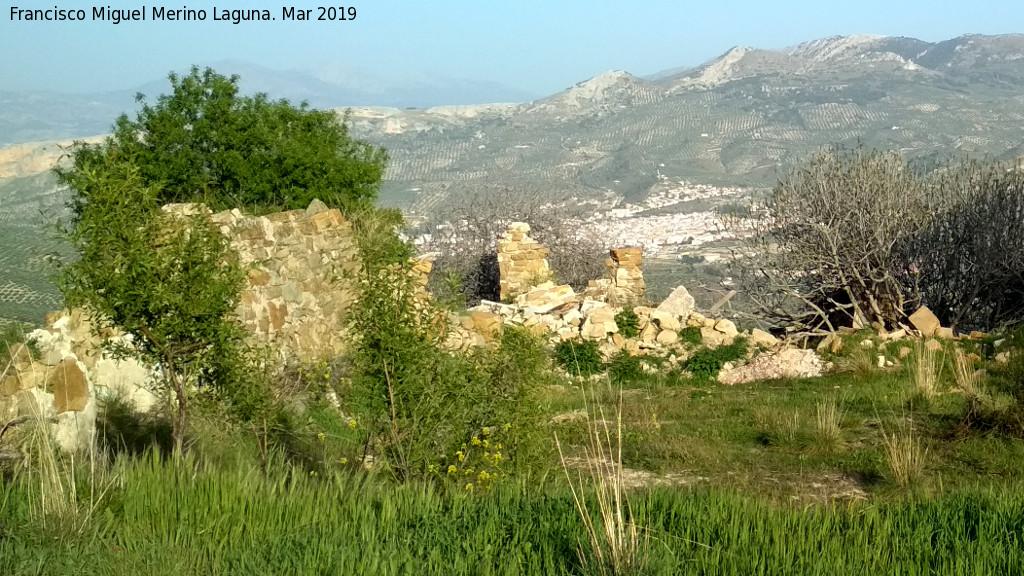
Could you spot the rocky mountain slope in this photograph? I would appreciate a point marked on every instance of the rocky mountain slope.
(737, 120)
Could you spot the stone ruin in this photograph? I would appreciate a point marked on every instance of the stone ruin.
(522, 261)
(300, 283)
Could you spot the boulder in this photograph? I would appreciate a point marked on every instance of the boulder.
(70, 386)
(679, 303)
(759, 337)
(667, 337)
(726, 327)
(925, 322)
(666, 320)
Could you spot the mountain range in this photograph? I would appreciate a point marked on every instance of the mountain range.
(741, 119)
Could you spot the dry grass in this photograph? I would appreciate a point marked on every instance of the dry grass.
(616, 545)
(829, 421)
(905, 455)
(925, 370)
(968, 380)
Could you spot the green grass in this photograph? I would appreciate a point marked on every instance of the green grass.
(164, 519)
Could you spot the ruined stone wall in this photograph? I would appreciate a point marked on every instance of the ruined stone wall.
(625, 266)
(522, 261)
(301, 279)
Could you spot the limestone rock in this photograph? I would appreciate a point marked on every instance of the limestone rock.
(759, 337)
(667, 337)
(925, 322)
(666, 320)
(487, 324)
(70, 386)
(945, 333)
(933, 345)
(726, 327)
(788, 363)
(679, 303)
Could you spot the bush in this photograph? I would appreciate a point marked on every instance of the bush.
(707, 362)
(169, 281)
(418, 406)
(205, 143)
(625, 369)
(579, 358)
(628, 323)
(691, 335)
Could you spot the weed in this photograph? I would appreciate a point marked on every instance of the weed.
(628, 323)
(828, 421)
(905, 455)
(691, 335)
(625, 369)
(616, 545)
(707, 362)
(925, 370)
(580, 358)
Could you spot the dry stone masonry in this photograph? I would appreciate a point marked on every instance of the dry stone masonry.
(522, 261)
(301, 279)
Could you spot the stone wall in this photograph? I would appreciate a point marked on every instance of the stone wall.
(625, 267)
(301, 278)
(522, 261)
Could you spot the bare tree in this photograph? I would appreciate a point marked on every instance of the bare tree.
(853, 237)
(970, 258)
(464, 231)
(826, 252)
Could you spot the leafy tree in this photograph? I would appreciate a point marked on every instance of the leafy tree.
(205, 143)
(168, 281)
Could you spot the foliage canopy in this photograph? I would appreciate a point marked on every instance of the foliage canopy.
(204, 142)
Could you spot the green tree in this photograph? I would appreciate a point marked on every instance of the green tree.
(205, 143)
(169, 281)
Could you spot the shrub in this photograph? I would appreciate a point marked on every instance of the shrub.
(707, 362)
(205, 143)
(419, 406)
(691, 335)
(628, 323)
(169, 281)
(579, 357)
(625, 369)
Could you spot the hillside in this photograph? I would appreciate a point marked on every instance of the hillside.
(735, 122)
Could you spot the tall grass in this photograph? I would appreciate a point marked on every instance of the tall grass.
(905, 454)
(829, 421)
(186, 519)
(615, 544)
(925, 370)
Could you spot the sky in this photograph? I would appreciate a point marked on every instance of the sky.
(537, 46)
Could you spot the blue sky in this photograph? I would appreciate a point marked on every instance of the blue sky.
(534, 45)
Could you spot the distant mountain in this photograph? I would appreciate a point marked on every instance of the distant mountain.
(43, 116)
(740, 119)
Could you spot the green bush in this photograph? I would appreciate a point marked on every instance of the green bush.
(579, 358)
(204, 142)
(172, 282)
(628, 323)
(707, 362)
(625, 369)
(418, 406)
(691, 335)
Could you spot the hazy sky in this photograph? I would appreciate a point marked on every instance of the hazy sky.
(538, 46)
